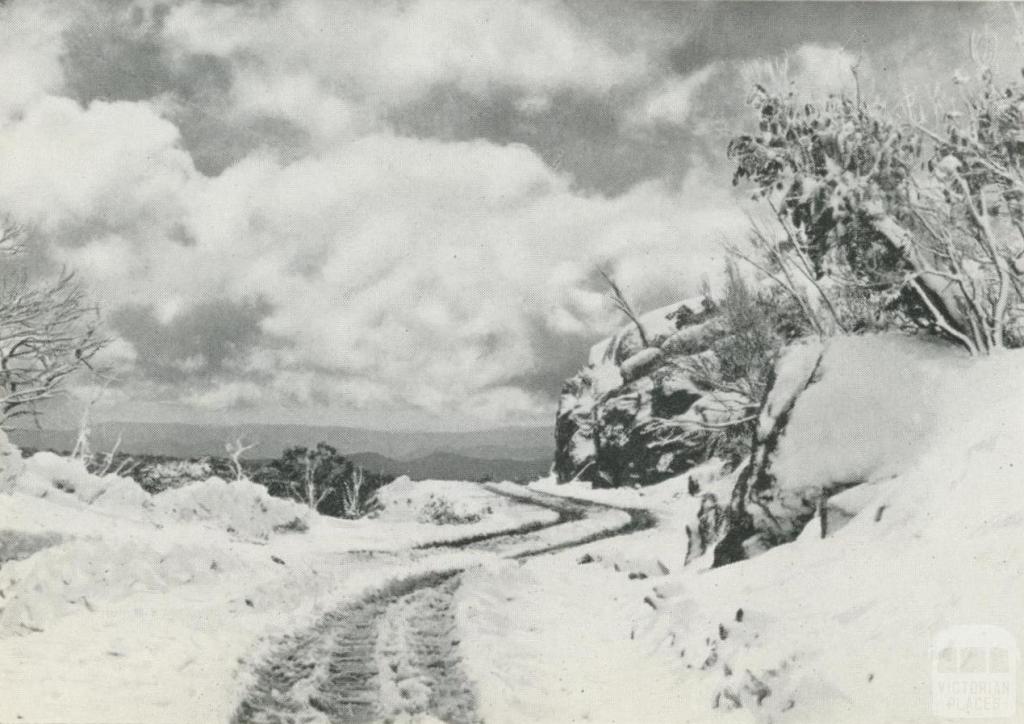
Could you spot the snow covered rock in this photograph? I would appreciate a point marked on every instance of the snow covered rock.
(760, 515)
(854, 410)
(659, 325)
(614, 422)
(641, 363)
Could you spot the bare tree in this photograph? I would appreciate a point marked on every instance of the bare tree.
(355, 503)
(98, 463)
(235, 452)
(312, 489)
(48, 332)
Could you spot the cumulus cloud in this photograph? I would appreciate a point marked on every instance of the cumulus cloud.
(325, 66)
(371, 270)
(31, 36)
(425, 267)
(116, 164)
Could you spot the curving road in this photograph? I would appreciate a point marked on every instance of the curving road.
(395, 652)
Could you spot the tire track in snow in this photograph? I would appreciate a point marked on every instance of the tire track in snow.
(332, 670)
(395, 652)
(419, 661)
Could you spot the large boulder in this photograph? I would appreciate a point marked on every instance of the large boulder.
(824, 440)
(619, 418)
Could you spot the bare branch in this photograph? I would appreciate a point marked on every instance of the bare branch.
(623, 305)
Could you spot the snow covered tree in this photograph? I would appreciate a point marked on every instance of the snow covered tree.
(923, 218)
(48, 332)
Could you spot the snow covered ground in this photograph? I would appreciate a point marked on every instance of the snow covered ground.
(119, 606)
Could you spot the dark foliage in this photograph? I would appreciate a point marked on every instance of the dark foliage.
(332, 477)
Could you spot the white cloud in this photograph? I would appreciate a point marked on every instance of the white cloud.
(227, 396)
(322, 63)
(31, 38)
(399, 272)
(417, 265)
(672, 101)
(115, 163)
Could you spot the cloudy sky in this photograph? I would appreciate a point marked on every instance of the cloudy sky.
(392, 213)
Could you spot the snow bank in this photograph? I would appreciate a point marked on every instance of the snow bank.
(86, 574)
(240, 507)
(482, 513)
(65, 481)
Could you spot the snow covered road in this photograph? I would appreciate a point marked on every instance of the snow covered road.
(395, 652)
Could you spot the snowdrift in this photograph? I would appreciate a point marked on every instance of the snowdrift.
(240, 508)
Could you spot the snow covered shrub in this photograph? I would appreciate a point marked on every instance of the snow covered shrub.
(920, 217)
(155, 477)
(442, 511)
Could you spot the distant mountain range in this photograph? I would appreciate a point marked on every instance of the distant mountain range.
(502, 453)
(451, 466)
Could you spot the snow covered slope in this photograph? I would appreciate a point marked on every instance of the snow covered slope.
(836, 629)
(840, 629)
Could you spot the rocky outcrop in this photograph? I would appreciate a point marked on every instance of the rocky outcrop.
(622, 420)
(617, 421)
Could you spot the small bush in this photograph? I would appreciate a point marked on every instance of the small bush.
(295, 525)
(441, 511)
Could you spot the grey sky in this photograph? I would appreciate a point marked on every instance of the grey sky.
(390, 213)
